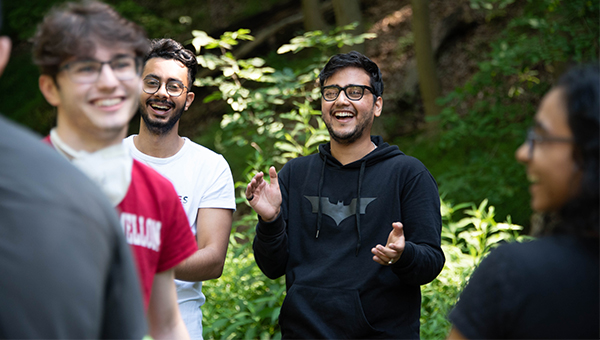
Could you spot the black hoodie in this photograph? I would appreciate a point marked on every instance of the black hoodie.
(331, 217)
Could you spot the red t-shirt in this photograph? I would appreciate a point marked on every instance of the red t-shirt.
(155, 224)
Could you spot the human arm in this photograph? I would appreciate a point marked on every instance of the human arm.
(213, 229)
(416, 250)
(163, 311)
(270, 242)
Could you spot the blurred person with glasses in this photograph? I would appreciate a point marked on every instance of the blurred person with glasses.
(67, 271)
(90, 62)
(356, 228)
(548, 288)
(202, 178)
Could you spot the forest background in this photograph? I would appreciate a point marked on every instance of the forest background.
(462, 82)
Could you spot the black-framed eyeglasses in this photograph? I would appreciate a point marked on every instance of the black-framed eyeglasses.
(88, 71)
(174, 88)
(533, 137)
(353, 92)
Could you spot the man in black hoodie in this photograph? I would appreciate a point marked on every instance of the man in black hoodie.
(324, 218)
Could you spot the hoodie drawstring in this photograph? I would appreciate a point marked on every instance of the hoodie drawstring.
(357, 212)
(320, 212)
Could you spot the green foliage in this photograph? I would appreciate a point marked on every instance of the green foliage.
(326, 43)
(495, 8)
(242, 304)
(485, 120)
(465, 243)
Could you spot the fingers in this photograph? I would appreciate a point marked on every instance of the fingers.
(258, 180)
(253, 185)
(383, 255)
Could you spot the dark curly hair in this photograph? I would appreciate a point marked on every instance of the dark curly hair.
(71, 29)
(580, 88)
(353, 59)
(170, 49)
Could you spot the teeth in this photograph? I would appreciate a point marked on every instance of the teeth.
(343, 114)
(108, 102)
(160, 107)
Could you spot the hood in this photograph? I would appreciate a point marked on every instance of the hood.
(381, 153)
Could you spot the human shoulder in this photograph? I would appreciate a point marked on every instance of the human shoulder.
(303, 160)
(407, 161)
(34, 171)
(154, 181)
(200, 152)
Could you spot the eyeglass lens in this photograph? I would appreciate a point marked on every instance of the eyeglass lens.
(174, 88)
(533, 137)
(353, 92)
(88, 71)
(530, 142)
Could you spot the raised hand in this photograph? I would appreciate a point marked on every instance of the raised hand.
(394, 248)
(265, 198)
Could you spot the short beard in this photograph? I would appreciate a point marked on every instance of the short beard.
(159, 127)
(352, 136)
(348, 139)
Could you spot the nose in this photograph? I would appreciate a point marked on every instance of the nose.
(523, 153)
(107, 77)
(162, 91)
(342, 98)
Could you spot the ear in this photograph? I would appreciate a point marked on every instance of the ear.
(189, 99)
(49, 89)
(378, 106)
(5, 47)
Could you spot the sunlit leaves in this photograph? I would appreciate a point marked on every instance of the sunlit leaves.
(336, 38)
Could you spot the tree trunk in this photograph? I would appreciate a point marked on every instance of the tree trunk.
(313, 18)
(429, 84)
(346, 13)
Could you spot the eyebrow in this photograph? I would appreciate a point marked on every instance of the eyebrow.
(89, 58)
(346, 85)
(158, 78)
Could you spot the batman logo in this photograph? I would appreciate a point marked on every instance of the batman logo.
(339, 211)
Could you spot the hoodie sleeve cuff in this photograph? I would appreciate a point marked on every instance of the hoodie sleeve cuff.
(407, 258)
(270, 229)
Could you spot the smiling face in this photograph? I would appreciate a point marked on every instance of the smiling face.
(98, 111)
(160, 111)
(551, 169)
(348, 120)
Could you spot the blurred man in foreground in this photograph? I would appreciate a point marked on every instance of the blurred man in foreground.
(67, 272)
(90, 60)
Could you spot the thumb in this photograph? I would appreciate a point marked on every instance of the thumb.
(273, 175)
(398, 228)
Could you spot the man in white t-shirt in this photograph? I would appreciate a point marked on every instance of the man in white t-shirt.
(201, 177)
